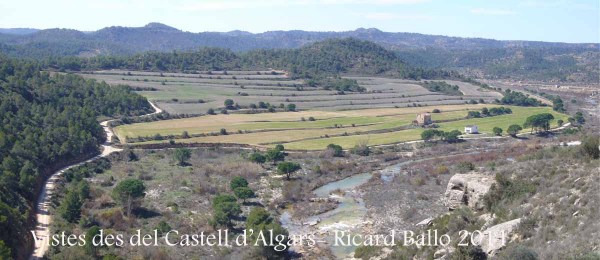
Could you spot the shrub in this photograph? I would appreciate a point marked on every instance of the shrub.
(311, 119)
(517, 252)
(257, 158)
(337, 150)
(497, 131)
(237, 182)
(436, 111)
(441, 169)
(361, 149)
(589, 147)
(211, 111)
(465, 166)
(181, 155)
(366, 252)
(244, 193)
(163, 227)
(223, 131)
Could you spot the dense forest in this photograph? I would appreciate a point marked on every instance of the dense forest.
(47, 120)
(474, 57)
(321, 59)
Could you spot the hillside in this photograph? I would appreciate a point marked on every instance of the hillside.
(331, 57)
(473, 56)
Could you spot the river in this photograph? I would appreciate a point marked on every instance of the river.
(349, 215)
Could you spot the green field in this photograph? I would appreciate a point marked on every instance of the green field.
(180, 93)
(373, 126)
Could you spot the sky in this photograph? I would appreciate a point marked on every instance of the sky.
(573, 21)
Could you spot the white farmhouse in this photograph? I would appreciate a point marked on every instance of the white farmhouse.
(471, 129)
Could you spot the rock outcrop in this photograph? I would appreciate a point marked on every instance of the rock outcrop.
(467, 190)
(496, 237)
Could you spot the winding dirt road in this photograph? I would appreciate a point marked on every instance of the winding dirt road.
(42, 229)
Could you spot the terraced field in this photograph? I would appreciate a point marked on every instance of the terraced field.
(347, 128)
(196, 93)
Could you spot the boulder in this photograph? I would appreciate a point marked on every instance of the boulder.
(467, 190)
(496, 237)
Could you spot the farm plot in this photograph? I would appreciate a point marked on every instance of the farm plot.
(346, 128)
(182, 93)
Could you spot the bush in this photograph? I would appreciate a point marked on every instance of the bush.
(441, 169)
(257, 158)
(237, 182)
(589, 146)
(497, 131)
(517, 252)
(211, 111)
(436, 111)
(181, 155)
(223, 131)
(243, 193)
(361, 149)
(337, 150)
(311, 119)
(465, 167)
(366, 252)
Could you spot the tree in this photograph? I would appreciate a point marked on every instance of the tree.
(485, 111)
(539, 122)
(336, 150)
(287, 168)
(237, 182)
(560, 122)
(5, 252)
(279, 147)
(229, 103)
(211, 111)
(579, 119)
(513, 130)
(261, 222)
(225, 208)
(223, 131)
(181, 155)
(589, 146)
(497, 131)
(127, 192)
(429, 134)
(452, 136)
(70, 208)
(291, 107)
(243, 193)
(89, 245)
(257, 158)
(275, 155)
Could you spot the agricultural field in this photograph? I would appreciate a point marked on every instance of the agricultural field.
(181, 93)
(376, 126)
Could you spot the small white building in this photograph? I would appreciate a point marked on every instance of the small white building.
(471, 129)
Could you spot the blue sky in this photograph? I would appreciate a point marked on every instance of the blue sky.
(541, 20)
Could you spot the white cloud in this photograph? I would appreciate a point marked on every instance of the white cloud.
(487, 11)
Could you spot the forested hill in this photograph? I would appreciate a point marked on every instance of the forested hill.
(47, 120)
(474, 57)
(327, 58)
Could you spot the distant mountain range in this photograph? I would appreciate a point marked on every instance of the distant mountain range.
(479, 57)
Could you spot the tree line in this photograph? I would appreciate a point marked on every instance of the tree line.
(47, 120)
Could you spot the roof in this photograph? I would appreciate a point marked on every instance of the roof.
(471, 126)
